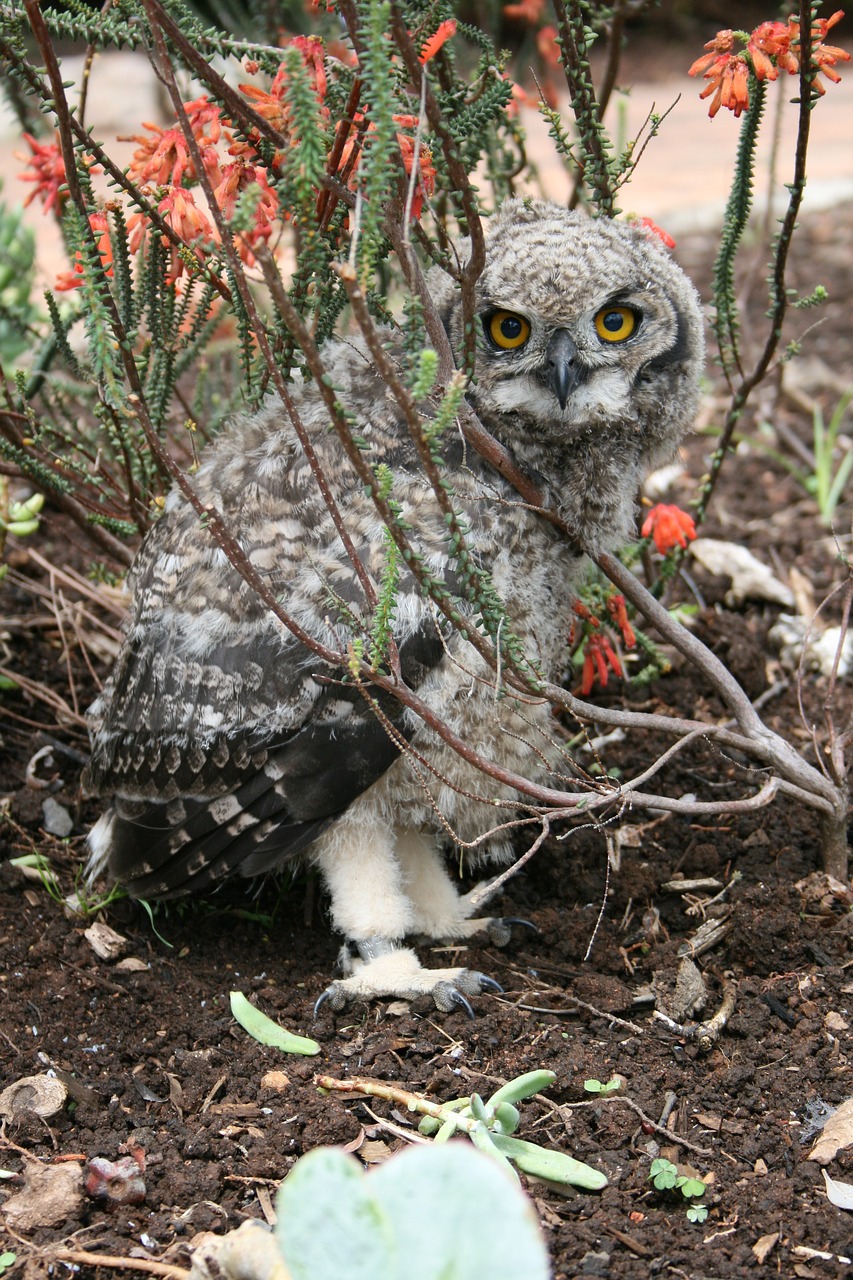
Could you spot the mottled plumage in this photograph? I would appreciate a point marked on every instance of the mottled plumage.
(223, 742)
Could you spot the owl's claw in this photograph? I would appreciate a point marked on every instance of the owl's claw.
(400, 975)
(500, 928)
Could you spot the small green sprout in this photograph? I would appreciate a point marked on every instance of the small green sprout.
(665, 1176)
(490, 1125)
(7, 1260)
(596, 1086)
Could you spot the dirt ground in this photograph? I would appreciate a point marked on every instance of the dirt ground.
(152, 1058)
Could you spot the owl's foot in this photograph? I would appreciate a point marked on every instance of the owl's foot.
(399, 974)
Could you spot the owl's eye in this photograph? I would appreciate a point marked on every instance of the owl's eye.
(615, 324)
(506, 330)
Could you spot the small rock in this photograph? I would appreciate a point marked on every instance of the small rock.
(40, 1095)
(276, 1080)
(105, 942)
(57, 819)
(52, 1193)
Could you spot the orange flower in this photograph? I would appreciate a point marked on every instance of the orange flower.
(669, 526)
(160, 159)
(598, 655)
(445, 31)
(728, 78)
(205, 120)
(73, 279)
(723, 43)
(425, 167)
(235, 179)
(772, 47)
(272, 105)
(527, 11)
(425, 171)
(178, 209)
(770, 40)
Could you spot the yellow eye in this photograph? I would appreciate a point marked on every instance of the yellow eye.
(507, 330)
(615, 324)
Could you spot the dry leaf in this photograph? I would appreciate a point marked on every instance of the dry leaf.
(837, 1134)
(763, 1247)
(840, 1193)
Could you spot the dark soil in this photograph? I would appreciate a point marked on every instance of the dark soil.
(153, 1059)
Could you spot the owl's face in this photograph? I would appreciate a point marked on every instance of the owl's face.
(586, 326)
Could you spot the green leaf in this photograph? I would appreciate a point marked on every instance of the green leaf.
(7, 1260)
(691, 1187)
(456, 1215)
(522, 1087)
(265, 1031)
(330, 1223)
(544, 1162)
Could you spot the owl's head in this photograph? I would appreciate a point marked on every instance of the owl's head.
(588, 330)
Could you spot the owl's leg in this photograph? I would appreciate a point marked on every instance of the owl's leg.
(439, 911)
(371, 906)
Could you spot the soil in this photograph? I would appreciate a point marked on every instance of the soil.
(153, 1059)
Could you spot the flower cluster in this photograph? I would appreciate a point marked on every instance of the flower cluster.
(165, 166)
(669, 527)
(772, 47)
(599, 655)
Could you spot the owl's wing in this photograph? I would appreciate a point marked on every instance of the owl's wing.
(235, 760)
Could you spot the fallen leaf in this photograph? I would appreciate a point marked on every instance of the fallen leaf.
(840, 1193)
(763, 1247)
(836, 1135)
(834, 1022)
(751, 580)
(131, 965)
(713, 1123)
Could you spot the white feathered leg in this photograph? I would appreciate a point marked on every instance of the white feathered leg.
(371, 871)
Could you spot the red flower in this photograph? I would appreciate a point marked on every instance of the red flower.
(619, 613)
(73, 279)
(598, 654)
(654, 230)
(430, 48)
(48, 173)
(669, 526)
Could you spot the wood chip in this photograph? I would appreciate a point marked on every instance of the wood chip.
(765, 1246)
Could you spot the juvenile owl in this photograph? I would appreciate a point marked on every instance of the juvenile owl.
(227, 747)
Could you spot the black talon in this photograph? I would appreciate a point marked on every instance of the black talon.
(525, 924)
(489, 984)
(457, 998)
(320, 1001)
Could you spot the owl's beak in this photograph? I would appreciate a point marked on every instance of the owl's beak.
(562, 367)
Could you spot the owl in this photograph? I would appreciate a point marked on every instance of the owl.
(225, 746)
